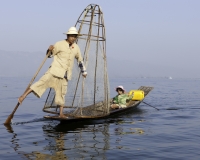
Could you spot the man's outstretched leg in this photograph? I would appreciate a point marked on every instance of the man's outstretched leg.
(23, 96)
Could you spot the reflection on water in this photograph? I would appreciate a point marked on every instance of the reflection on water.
(68, 140)
(73, 139)
(88, 139)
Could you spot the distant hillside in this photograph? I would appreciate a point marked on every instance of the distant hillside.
(20, 63)
(137, 67)
(26, 63)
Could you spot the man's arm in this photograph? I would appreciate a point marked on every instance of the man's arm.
(51, 47)
(80, 63)
(82, 68)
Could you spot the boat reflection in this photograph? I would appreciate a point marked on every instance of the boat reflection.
(63, 141)
(79, 140)
(73, 140)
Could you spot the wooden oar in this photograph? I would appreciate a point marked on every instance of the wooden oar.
(8, 120)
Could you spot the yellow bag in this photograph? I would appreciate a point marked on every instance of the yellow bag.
(137, 94)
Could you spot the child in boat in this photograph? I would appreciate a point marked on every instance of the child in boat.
(120, 100)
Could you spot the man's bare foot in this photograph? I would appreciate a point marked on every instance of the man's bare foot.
(62, 116)
(20, 99)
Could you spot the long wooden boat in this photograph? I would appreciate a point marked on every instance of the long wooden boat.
(131, 105)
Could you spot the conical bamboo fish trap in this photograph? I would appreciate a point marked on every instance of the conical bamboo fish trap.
(87, 97)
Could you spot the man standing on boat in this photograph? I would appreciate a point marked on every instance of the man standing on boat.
(60, 71)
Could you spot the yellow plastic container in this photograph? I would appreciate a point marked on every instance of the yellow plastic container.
(137, 94)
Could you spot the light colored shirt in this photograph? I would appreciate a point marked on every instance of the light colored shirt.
(64, 59)
(121, 99)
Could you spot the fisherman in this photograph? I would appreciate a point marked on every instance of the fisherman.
(60, 71)
(120, 100)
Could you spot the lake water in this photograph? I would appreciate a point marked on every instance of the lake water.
(172, 132)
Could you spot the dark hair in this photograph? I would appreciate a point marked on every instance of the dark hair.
(119, 89)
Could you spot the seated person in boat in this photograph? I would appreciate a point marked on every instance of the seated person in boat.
(120, 100)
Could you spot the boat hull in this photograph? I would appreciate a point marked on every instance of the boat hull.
(130, 106)
(112, 113)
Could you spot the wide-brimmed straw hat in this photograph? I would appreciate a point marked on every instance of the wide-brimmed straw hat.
(121, 87)
(72, 30)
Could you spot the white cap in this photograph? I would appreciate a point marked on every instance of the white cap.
(72, 30)
(120, 87)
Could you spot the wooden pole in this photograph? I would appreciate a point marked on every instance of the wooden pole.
(8, 120)
(150, 105)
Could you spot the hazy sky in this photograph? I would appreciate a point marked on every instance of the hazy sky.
(144, 37)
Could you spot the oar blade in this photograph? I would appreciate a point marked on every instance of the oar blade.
(9, 119)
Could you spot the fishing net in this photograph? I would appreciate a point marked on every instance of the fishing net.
(87, 97)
